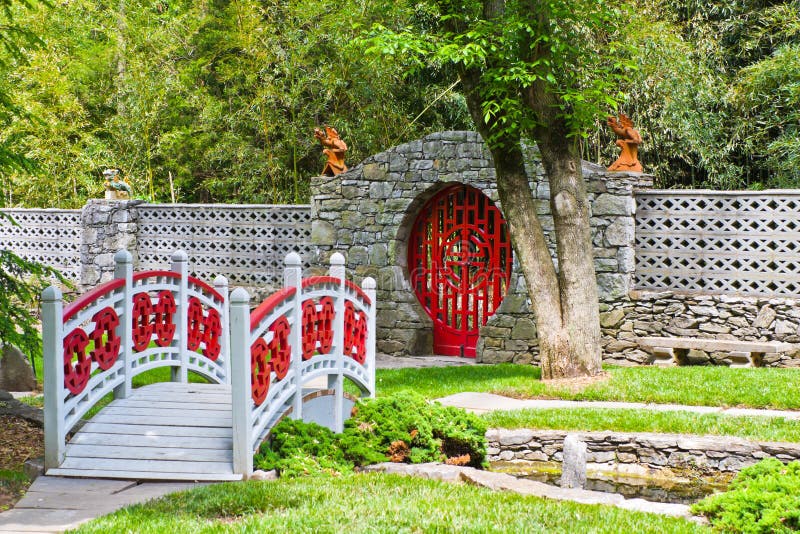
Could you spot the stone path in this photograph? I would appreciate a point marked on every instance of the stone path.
(489, 402)
(55, 504)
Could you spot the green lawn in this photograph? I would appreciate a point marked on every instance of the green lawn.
(704, 386)
(588, 419)
(372, 503)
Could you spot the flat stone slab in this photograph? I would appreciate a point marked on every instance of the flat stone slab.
(768, 347)
(383, 361)
(55, 504)
(489, 402)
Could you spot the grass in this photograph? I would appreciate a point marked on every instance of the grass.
(627, 420)
(372, 503)
(700, 386)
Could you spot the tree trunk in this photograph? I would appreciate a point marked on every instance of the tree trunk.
(576, 350)
(564, 302)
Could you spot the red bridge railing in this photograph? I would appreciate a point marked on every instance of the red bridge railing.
(322, 326)
(129, 325)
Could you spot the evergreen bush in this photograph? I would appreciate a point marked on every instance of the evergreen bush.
(763, 498)
(399, 428)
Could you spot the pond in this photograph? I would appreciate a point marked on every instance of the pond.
(677, 490)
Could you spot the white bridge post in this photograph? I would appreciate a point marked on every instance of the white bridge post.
(221, 285)
(293, 277)
(180, 265)
(52, 335)
(337, 270)
(369, 287)
(241, 394)
(124, 269)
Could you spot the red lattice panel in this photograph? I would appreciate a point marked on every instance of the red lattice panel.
(459, 261)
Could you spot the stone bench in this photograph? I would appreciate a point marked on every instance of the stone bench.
(668, 351)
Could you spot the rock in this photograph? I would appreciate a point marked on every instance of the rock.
(16, 373)
(713, 328)
(264, 475)
(621, 233)
(607, 204)
(766, 315)
(515, 437)
(619, 346)
(573, 470)
(685, 322)
(783, 328)
(707, 311)
(33, 468)
(612, 286)
(612, 319)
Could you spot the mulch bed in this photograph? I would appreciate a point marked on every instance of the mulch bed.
(20, 440)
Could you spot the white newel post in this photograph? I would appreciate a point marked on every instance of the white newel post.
(221, 285)
(369, 287)
(293, 277)
(241, 400)
(123, 268)
(180, 265)
(52, 335)
(336, 381)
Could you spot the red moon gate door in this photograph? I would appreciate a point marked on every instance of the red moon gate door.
(459, 260)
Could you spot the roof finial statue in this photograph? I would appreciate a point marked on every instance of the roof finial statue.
(334, 149)
(117, 188)
(628, 139)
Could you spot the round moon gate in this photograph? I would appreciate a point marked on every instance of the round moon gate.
(459, 261)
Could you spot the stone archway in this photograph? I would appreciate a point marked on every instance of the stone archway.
(368, 214)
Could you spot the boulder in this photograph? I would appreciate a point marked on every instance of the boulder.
(16, 373)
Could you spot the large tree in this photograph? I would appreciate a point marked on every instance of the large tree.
(543, 70)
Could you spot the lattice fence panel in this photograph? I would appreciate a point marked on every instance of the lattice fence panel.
(744, 243)
(245, 243)
(48, 236)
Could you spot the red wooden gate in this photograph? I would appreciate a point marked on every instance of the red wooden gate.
(459, 260)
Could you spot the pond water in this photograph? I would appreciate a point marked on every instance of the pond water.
(680, 491)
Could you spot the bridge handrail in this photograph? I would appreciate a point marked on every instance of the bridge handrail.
(141, 321)
(322, 325)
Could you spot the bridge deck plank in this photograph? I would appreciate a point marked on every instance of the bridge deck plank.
(166, 431)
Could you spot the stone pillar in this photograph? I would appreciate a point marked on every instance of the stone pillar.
(108, 226)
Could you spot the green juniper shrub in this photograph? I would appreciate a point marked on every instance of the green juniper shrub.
(763, 498)
(396, 427)
(406, 428)
(399, 428)
(296, 448)
(461, 433)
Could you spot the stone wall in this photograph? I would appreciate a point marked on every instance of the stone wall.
(607, 450)
(369, 210)
(108, 226)
(671, 314)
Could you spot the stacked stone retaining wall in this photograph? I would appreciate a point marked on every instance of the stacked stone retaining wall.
(606, 450)
(671, 314)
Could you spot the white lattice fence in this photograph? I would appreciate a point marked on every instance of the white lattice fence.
(48, 236)
(246, 243)
(719, 242)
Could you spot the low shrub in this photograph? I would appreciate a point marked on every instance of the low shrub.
(399, 428)
(297, 448)
(763, 498)
(406, 428)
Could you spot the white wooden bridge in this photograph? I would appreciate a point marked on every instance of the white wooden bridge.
(165, 431)
(313, 329)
